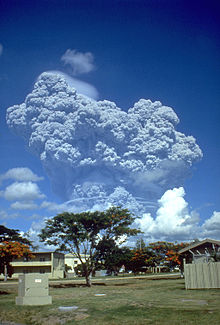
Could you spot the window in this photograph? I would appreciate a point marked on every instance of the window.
(42, 259)
(42, 271)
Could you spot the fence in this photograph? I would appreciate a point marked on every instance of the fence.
(202, 275)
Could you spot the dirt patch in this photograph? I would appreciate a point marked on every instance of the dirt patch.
(60, 319)
(81, 316)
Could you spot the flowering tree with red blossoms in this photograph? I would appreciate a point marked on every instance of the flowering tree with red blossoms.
(10, 250)
(12, 246)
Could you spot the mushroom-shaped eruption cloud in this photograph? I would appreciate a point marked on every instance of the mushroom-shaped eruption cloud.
(96, 154)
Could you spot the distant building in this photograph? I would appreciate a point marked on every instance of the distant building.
(51, 263)
(72, 261)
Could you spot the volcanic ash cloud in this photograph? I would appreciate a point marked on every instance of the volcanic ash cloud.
(96, 154)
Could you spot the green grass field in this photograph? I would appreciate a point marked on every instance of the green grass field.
(122, 301)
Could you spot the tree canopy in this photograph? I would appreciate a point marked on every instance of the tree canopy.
(111, 257)
(82, 233)
(12, 246)
(160, 253)
(7, 234)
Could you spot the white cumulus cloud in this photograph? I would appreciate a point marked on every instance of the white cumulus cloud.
(22, 191)
(174, 221)
(30, 205)
(79, 62)
(5, 216)
(211, 226)
(21, 174)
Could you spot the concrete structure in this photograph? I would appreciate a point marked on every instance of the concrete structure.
(33, 290)
(50, 263)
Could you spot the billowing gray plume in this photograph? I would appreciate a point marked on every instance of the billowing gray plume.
(96, 154)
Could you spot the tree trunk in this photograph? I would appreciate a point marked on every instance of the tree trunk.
(5, 272)
(88, 280)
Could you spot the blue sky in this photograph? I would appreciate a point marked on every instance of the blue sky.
(157, 50)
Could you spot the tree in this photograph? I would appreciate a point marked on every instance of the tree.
(160, 249)
(111, 256)
(142, 259)
(167, 253)
(138, 261)
(173, 256)
(12, 246)
(10, 250)
(7, 234)
(82, 233)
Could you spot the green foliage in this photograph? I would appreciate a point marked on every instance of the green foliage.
(160, 249)
(141, 260)
(12, 246)
(112, 257)
(67, 268)
(85, 234)
(80, 270)
(7, 234)
(160, 253)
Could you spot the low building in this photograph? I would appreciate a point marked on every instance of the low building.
(50, 263)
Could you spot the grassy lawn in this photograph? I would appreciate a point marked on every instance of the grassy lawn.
(121, 301)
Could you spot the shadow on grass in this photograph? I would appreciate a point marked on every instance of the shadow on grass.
(82, 285)
(73, 285)
(4, 293)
